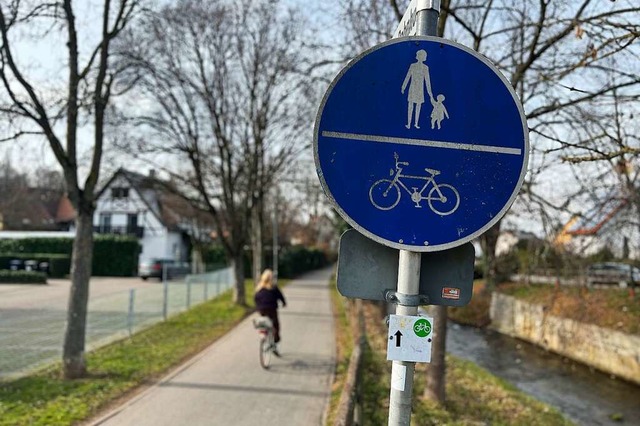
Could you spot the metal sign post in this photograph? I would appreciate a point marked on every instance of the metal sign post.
(426, 22)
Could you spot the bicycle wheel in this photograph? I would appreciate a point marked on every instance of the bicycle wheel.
(266, 346)
(447, 199)
(384, 194)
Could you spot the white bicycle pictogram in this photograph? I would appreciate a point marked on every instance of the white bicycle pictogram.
(443, 199)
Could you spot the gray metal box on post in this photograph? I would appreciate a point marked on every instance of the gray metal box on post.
(369, 270)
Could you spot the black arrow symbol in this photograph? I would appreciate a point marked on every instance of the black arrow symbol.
(398, 338)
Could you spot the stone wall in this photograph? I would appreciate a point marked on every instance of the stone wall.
(607, 350)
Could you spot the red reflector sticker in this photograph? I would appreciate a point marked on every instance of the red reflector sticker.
(450, 293)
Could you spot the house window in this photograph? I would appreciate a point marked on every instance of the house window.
(132, 224)
(119, 192)
(105, 223)
(132, 220)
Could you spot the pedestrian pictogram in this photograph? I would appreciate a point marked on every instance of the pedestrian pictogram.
(418, 75)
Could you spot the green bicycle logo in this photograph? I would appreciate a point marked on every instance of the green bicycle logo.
(422, 327)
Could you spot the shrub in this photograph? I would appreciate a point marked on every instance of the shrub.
(214, 257)
(59, 266)
(22, 277)
(37, 245)
(298, 259)
(115, 256)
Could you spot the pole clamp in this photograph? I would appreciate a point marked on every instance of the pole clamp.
(402, 299)
(433, 4)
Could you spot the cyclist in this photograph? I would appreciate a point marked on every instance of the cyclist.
(266, 298)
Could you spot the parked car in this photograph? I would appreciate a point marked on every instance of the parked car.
(621, 274)
(153, 268)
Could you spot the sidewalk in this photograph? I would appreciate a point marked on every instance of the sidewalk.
(225, 385)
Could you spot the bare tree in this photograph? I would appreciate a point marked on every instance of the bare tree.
(29, 107)
(13, 186)
(557, 55)
(223, 92)
(604, 153)
(45, 177)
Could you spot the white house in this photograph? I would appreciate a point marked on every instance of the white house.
(509, 239)
(142, 206)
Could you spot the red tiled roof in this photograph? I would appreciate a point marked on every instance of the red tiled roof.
(65, 211)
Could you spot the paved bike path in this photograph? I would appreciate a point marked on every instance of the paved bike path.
(225, 385)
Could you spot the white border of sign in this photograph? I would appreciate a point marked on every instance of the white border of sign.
(419, 248)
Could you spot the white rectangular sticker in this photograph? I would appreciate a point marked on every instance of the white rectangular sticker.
(398, 376)
(409, 338)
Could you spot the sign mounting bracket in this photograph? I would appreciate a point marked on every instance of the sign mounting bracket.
(402, 299)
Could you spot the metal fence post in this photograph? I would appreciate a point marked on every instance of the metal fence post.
(188, 293)
(130, 316)
(165, 301)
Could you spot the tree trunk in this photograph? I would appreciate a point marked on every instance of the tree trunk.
(74, 364)
(197, 264)
(436, 370)
(625, 248)
(489, 241)
(237, 264)
(256, 240)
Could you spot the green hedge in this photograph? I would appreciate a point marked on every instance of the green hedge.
(214, 257)
(37, 245)
(113, 255)
(296, 260)
(22, 277)
(292, 261)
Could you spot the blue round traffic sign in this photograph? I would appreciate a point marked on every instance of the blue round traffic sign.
(421, 144)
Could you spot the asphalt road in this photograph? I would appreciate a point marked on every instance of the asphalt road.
(225, 385)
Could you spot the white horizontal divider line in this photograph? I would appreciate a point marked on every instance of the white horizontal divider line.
(424, 142)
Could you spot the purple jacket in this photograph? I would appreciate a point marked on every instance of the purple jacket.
(268, 299)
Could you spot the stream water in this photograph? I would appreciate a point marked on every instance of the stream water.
(584, 395)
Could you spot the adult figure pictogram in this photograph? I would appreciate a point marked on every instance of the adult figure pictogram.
(418, 75)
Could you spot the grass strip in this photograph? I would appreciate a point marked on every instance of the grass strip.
(475, 396)
(344, 347)
(45, 398)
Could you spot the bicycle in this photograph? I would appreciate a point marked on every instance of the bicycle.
(443, 199)
(267, 343)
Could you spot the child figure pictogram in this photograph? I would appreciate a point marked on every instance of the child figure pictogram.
(439, 111)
